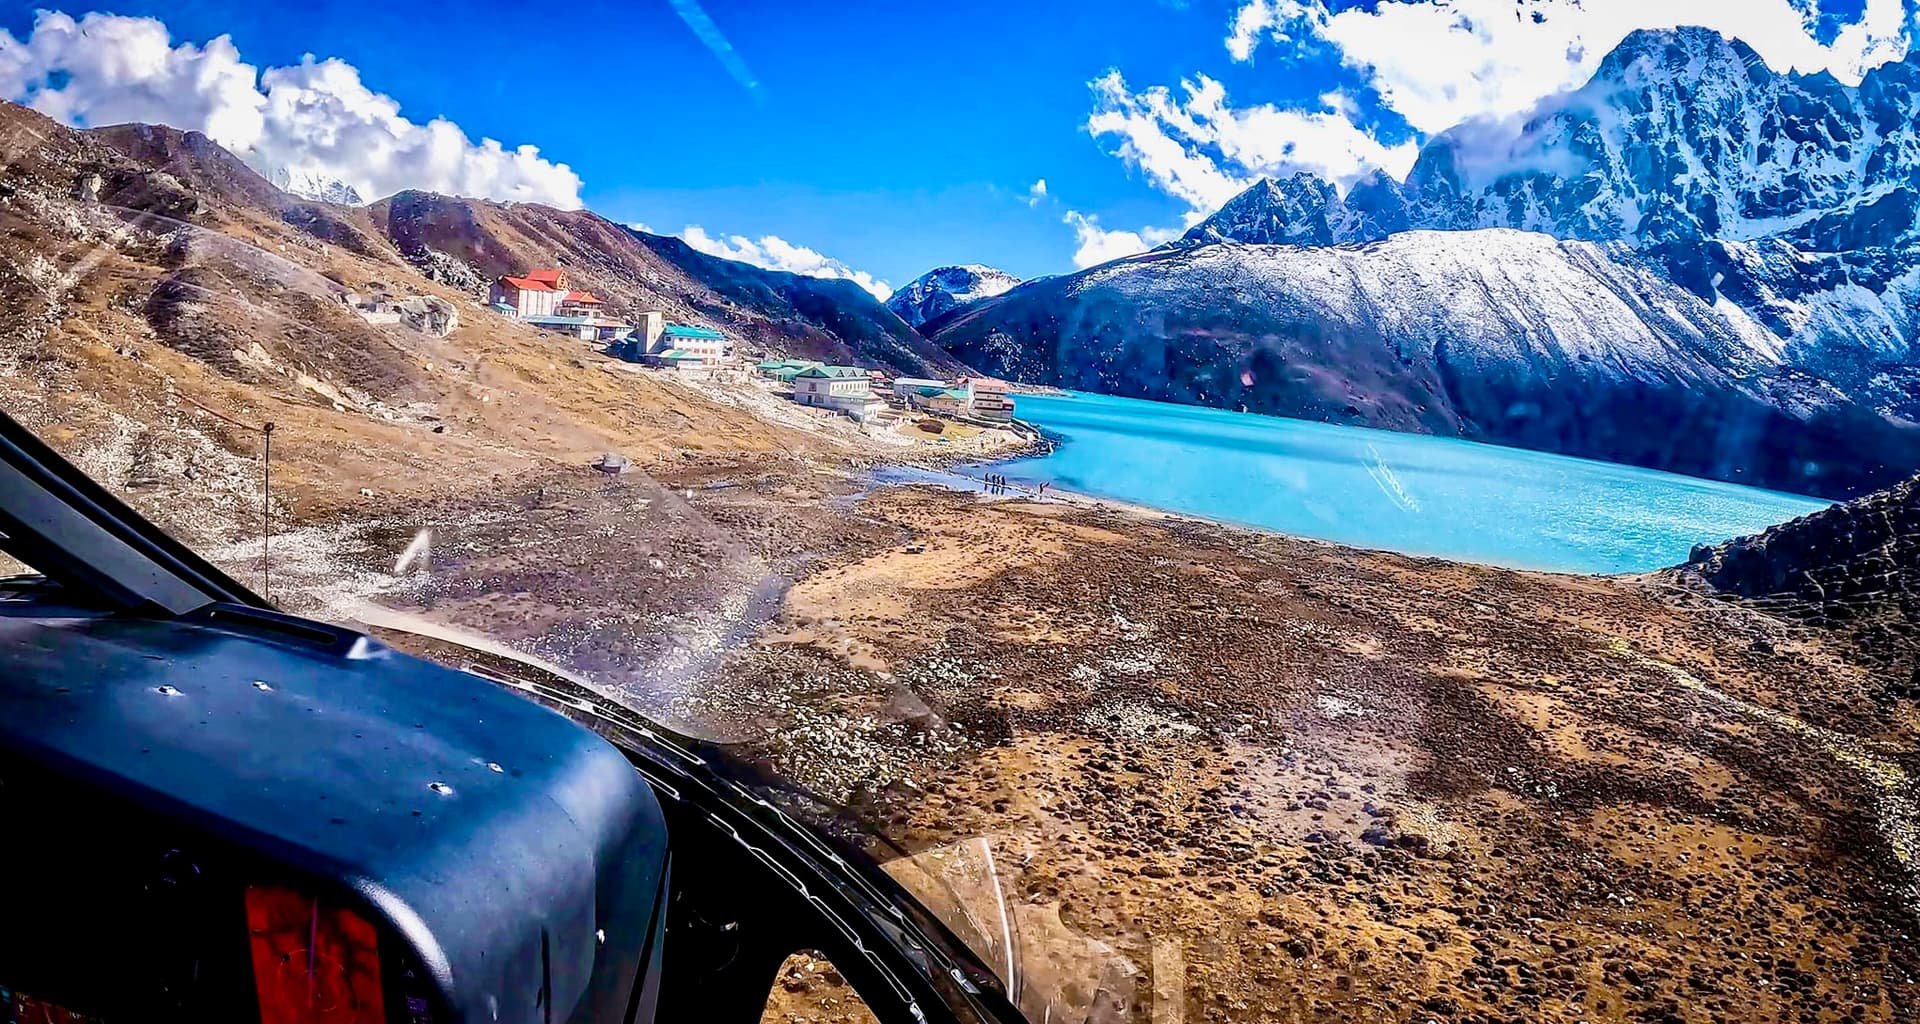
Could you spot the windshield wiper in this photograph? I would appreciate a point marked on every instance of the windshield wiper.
(58, 520)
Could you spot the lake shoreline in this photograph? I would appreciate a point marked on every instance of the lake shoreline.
(1413, 494)
(956, 480)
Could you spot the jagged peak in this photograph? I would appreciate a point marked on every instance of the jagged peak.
(1296, 184)
(1374, 177)
(1677, 50)
(1287, 210)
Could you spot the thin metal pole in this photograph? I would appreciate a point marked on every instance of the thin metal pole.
(266, 515)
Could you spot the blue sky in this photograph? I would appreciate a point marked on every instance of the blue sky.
(884, 138)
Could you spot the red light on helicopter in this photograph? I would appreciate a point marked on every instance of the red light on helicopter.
(314, 962)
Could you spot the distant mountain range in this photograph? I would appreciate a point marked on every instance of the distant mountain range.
(1692, 262)
(944, 289)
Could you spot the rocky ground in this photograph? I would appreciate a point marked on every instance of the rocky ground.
(1216, 775)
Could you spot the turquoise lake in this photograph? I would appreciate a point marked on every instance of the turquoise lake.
(1399, 492)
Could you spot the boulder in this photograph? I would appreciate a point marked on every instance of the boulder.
(429, 314)
(442, 268)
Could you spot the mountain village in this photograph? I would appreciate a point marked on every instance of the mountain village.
(921, 408)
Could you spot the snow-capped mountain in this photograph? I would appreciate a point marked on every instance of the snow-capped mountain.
(941, 290)
(1290, 211)
(1691, 262)
(317, 185)
(1680, 135)
(1577, 347)
(1795, 198)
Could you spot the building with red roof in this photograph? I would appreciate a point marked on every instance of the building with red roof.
(536, 293)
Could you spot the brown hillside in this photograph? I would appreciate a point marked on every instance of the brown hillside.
(159, 301)
(776, 312)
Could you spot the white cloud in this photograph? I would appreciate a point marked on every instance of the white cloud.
(1098, 245)
(1202, 150)
(1278, 20)
(1439, 62)
(1037, 192)
(315, 119)
(1153, 136)
(771, 252)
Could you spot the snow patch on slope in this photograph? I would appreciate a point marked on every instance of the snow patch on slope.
(1498, 296)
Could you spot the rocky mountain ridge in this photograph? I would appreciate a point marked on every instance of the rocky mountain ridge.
(767, 310)
(1794, 197)
(1681, 134)
(466, 243)
(941, 290)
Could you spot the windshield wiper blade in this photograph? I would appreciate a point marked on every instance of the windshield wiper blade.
(58, 520)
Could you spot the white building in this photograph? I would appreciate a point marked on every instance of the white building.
(940, 400)
(987, 398)
(705, 342)
(656, 337)
(539, 293)
(845, 389)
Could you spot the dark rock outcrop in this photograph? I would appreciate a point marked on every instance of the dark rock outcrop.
(1853, 568)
